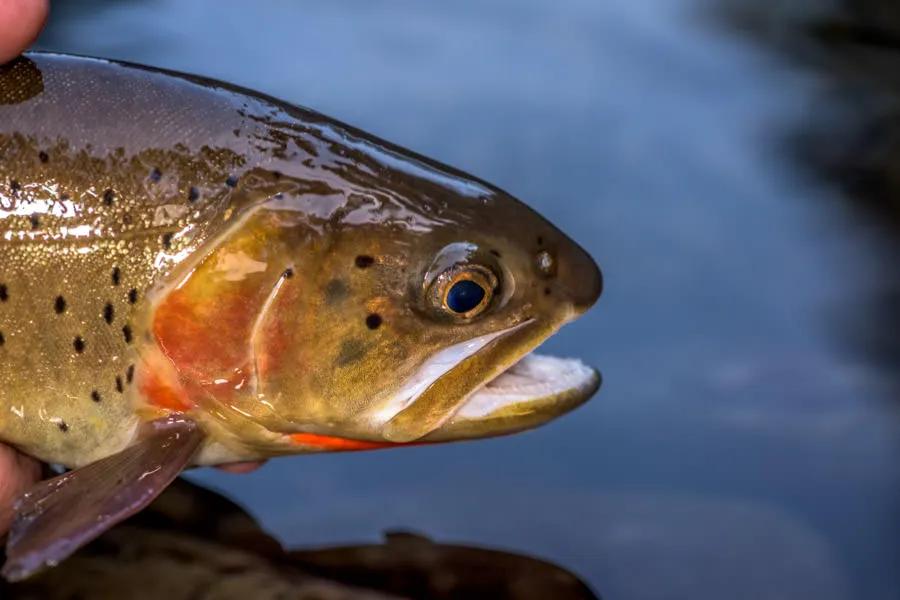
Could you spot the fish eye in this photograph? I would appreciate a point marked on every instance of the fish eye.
(464, 295)
(464, 291)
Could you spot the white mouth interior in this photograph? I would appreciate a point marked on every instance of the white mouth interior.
(534, 377)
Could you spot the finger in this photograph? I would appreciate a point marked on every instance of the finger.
(20, 23)
(17, 474)
(241, 467)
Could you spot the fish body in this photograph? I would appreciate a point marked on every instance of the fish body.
(272, 280)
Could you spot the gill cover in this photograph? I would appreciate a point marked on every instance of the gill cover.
(205, 324)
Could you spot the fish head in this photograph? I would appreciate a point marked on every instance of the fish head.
(400, 304)
(415, 322)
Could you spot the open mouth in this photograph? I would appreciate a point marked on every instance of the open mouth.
(531, 383)
(488, 386)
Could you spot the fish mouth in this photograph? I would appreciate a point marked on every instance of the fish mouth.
(534, 390)
(494, 385)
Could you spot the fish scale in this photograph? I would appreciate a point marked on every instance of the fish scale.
(80, 241)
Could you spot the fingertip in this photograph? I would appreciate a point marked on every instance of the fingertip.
(240, 468)
(17, 473)
(20, 23)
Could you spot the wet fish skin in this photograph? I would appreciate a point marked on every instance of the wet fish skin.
(174, 244)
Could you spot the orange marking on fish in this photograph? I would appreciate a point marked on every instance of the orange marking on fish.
(338, 444)
(159, 384)
(161, 394)
(204, 338)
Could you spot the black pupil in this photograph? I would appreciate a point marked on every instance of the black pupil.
(464, 296)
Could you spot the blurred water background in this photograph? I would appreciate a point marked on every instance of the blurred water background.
(730, 165)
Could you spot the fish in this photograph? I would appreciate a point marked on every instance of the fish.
(193, 273)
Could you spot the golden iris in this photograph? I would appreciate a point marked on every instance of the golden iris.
(465, 291)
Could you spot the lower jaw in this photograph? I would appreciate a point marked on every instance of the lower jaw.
(516, 416)
(512, 420)
(534, 391)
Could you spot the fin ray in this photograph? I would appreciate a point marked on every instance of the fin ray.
(59, 515)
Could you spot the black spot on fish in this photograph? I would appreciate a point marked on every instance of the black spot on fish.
(288, 273)
(35, 221)
(2, 339)
(547, 291)
(364, 261)
(231, 181)
(540, 241)
(59, 305)
(119, 387)
(351, 351)
(14, 186)
(193, 194)
(126, 333)
(116, 276)
(78, 344)
(155, 175)
(109, 197)
(277, 174)
(95, 396)
(63, 426)
(129, 374)
(108, 313)
(373, 321)
(167, 240)
(4, 292)
(495, 253)
(335, 291)
(43, 157)
(132, 296)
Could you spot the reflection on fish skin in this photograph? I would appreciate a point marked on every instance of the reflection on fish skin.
(193, 543)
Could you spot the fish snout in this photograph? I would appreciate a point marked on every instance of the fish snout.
(574, 273)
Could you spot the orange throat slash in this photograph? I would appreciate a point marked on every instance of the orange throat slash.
(327, 443)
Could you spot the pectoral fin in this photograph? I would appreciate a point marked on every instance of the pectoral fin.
(59, 515)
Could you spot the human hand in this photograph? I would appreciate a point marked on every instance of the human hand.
(17, 473)
(20, 23)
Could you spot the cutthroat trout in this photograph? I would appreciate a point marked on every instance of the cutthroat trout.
(195, 274)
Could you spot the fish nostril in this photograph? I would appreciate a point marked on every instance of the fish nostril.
(546, 263)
